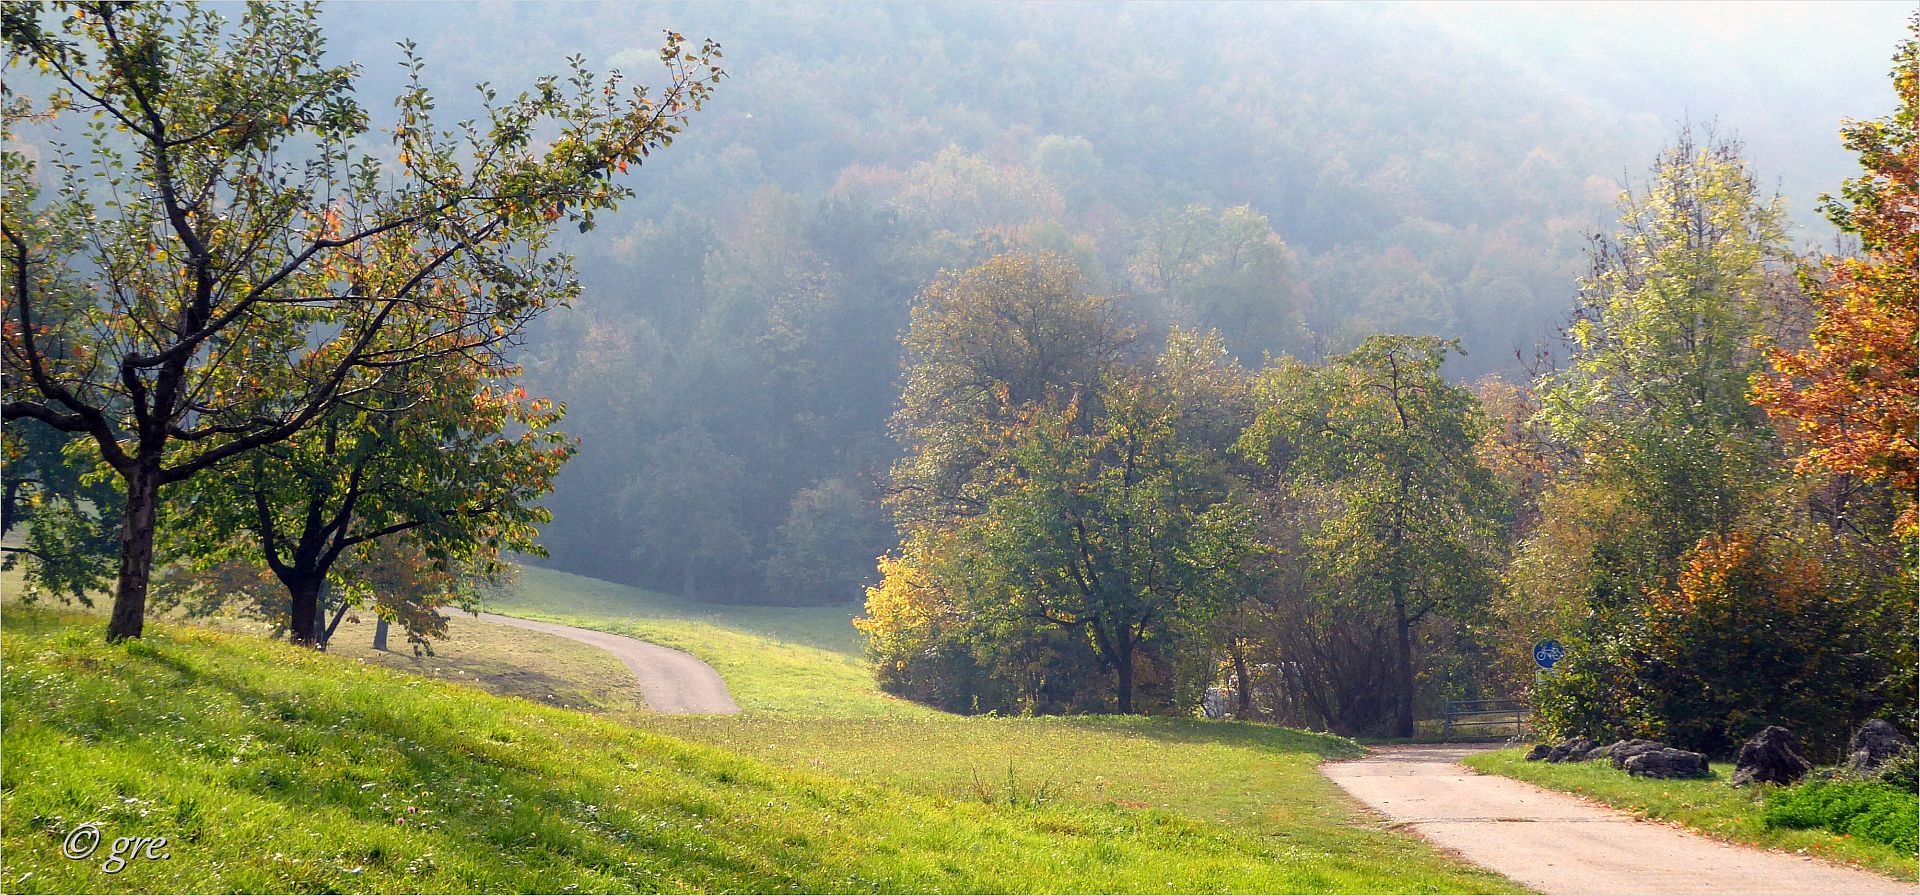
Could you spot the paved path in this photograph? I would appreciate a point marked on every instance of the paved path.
(671, 681)
(1556, 843)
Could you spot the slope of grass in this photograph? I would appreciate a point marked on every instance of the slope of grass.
(270, 768)
(511, 662)
(1709, 806)
(803, 661)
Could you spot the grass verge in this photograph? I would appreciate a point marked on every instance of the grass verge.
(1709, 806)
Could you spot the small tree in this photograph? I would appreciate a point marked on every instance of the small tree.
(50, 483)
(1115, 532)
(456, 470)
(225, 263)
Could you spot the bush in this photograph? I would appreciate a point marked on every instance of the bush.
(1902, 772)
(1865, 809)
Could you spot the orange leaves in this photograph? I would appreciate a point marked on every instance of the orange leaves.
(1852, 394)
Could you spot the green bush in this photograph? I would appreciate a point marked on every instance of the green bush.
(1902, 772)
(1864, 809)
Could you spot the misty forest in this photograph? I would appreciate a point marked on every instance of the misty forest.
(1210, 373)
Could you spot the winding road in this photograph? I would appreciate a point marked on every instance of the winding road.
(671, 681)
(1559, 844)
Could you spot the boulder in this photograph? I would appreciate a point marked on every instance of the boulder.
(1217, 702)
(1573, 749)
(1538, 752)
(1620, 751)
(1771, 757)
(1874, 744)
(1667, 762)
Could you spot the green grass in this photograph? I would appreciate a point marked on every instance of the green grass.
(1710, 806)
(800, 661)
(828, 628)
(1869, 810)
(271, 768)
(1256, 777)
(507, 661)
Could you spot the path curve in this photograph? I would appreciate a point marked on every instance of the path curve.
(671, 681)
(1559, 844)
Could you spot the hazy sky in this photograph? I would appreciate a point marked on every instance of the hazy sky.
(1781, 75)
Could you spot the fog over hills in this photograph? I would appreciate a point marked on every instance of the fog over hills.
(1297, 176)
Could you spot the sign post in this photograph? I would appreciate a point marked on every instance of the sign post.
(1548, 653)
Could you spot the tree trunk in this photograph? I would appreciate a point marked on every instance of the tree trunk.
(303, 625)
(136, 554)
(380, 633)
(10, 507)
(1243, 703)
(1123, 666)
(1403, 724)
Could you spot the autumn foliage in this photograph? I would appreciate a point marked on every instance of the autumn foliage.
(1852, 394)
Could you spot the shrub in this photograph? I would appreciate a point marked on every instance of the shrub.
(1865, 809)
(1902, 772)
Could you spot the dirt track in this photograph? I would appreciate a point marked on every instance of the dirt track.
(1559, 844)
(671, 681)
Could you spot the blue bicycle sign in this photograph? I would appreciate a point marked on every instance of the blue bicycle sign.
(1548, 652)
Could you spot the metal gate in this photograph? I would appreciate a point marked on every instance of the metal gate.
(1486, 714)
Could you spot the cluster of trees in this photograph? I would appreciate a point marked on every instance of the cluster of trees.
(734, 358)
(244, 338)
(1709, 497)
(1727, 530)
(1088, 525)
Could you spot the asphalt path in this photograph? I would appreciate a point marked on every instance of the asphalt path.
(1557, 843)
(671, 681)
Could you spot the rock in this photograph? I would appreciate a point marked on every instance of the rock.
(1874, 744)
(1217, 702)
(1538, 752)
(1620, 751)
(1667, 762)
(1573, 749)
(1771, 757)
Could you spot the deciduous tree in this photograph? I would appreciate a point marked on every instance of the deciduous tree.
(1392, 444)
(1850, 395)
(224, 260)
(455, 465)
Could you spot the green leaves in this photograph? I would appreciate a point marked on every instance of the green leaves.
(227, 268)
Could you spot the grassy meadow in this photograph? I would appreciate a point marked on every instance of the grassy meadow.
(798, 661)
(270, 768)
(1709, 806)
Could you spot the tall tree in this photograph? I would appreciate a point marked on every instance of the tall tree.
(221, 266)
(1663, 344)
(1393, 443)
(1850, 394)
(985, 347)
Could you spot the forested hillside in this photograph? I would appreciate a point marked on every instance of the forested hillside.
(1296, 176)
